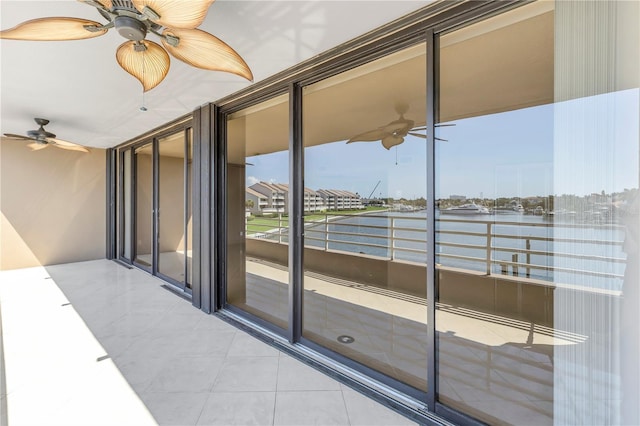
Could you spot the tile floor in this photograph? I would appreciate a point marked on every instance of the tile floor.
(95, 343)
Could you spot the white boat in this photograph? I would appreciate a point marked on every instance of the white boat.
(467, 209)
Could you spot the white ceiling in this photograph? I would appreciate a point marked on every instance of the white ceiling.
(90, 100)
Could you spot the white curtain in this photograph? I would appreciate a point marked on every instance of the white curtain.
(596, 140)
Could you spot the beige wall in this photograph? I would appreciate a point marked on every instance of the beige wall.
(52, 205)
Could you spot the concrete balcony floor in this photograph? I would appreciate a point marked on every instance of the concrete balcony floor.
(95, 343)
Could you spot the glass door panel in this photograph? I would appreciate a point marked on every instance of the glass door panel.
(536, 185)
(125, 212)
(258, 210)
(189, 206)
(172, 199)
(143, 163)
(365, 221)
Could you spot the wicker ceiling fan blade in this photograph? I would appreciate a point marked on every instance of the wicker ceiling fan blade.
(370, 136)
(175, 13)
(150, 66)
(59, 143)
(106, 4)
(391, 141)
(419, 135)
(37, 146)
(203, 50)
(53, 29)
(20, 137)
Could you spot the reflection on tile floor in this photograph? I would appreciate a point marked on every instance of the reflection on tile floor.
(497, 368)
(95, 343)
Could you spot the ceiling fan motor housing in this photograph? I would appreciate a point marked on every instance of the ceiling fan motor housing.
(130, 28)
(40, 134)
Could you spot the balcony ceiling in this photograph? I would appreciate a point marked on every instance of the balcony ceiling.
(90, 100)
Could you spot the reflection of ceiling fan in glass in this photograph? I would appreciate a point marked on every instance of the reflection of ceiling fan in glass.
(393, 134)
(174, 21)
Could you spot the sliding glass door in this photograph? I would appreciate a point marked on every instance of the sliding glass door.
(257, 211)
(537, 194)
(144, 206)
(157, 177)
(364, 216)
(174, 207)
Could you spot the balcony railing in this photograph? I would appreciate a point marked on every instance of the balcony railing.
(548, 251)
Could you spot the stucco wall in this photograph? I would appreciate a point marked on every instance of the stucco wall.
(52, 205)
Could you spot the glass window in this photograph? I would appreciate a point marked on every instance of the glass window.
(125, 218)
(365, 220)
(536, 189)
(172, 199)
(144, 205)
(258, 210)
(189, 206)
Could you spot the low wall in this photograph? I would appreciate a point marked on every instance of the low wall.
(510, 297)
(371, 270)
(515, 297)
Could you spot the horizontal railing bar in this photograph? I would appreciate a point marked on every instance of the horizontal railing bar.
(353, 224)
(357, 234)
(404, 228)
(558, 240)
(536, 225)
(349, 243)
(396, 249)
(457, 256)
(410, 240)
(468, 233)
(525, 266)
(564, 255)
(557, 269)
(461, 245)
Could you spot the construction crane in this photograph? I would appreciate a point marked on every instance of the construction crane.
(374, 190)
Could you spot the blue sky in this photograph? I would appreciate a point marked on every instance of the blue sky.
(575, 147)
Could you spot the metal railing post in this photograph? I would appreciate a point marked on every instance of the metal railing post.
(528, 246)
(326, 232)
(392, 242)
(488, 255)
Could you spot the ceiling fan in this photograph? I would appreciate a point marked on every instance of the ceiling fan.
(42, 139)
(174, 21)
(393, 134)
